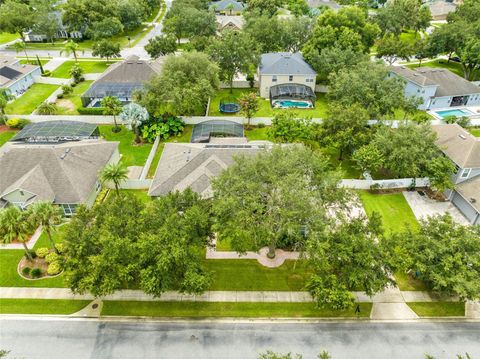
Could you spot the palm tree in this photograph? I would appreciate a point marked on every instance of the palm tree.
(16, 224)
(48, 216)
(230, 7)
(112, 107)
(20, 46)
(71, 47)
(116, 173)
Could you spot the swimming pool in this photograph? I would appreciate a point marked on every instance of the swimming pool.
(454, 112)
(291, 104)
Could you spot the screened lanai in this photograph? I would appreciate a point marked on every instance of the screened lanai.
(216, 128)
(292, 92)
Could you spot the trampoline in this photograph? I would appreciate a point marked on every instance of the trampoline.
(216, 128)
(229, 107)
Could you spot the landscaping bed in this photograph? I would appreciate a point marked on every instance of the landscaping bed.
(69, 104)
(227, 309)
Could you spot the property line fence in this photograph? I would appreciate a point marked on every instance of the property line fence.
(149, 160)
(385, 184)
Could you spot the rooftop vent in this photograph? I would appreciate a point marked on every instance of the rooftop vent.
(473, 200)
(463, 137)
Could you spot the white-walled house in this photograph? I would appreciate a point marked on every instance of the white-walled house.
(15, 77)
(438, 88)
(463, 149)
(281, 68)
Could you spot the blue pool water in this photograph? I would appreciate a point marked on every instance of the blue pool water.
(288, 104)
(456, 113)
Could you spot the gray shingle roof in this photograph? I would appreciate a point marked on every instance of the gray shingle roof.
(284, 63)
(11, 70)
(459, 145)
(411, 75)
(67, 172)
(223, 5)
(471, 190)
(192, 165)
(328, 3)
(448, 83)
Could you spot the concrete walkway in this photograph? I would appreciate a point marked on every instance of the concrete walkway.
(30, 243)
(54, 63)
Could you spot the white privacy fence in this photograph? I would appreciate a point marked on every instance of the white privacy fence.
(385, 184)
(134, 184)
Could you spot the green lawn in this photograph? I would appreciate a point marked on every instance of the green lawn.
(41, 306)
(30, 100)
(394, 209)
(258, 134)
(248, 274)
(141, 194)
(226, 309)
(132, 154)
(407, 282)
(265, 110)
(89, 67)
(347, 166)
(6, 136)
(454, 67)
(6, 37)
(184, 137)
(410, 37)
(74, 98)
(475, 132)
(438, 309)
(9, 259)
(34, 61)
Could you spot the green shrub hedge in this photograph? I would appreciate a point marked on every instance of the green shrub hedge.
(90, 110)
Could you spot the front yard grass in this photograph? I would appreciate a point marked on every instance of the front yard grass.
(395, 212)
(7, 37)
(41, 306)
(69, 104)
(475, 132)
(406, 282)
(227, 309)
(132, 154)
(265, 110)
(438, 309)
(30, 100)
(6, 136)
(89, 67)
(248, 274)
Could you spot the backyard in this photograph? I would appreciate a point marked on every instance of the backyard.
(69, 104)
(265, 110)
(30, 100)
(88, 67)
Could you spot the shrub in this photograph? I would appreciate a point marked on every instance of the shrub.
(463, 121)
(163, 127)
(261, 125)
(67, 89)
(46, 108)
(36, 272)
(251, 80)
(90, 111)
(60, 95)
(60, 247)
(22, 123)
(47, 73)
(450, 119)
(421, 117)
(42, 252)
(54, 268)
(375, 188)
(76, 72)
(26, 271)
(52, 257)
(12, 122)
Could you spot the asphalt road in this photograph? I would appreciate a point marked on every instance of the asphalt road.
(72, 339)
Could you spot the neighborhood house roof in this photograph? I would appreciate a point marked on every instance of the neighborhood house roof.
(448, 84)
(193, 165)
(227, 5)
(123, 78)
(284, 63)
(459, 145)
(11, 70)
(470, 190)
(56, 131)
(441, 8)
(230, 21)
(61, 173)
(320, 3)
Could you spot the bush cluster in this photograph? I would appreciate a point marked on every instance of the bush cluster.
(54, 268)
(36, 272)
(98, 111)
(52, 257)
(17, 123)
(42, 252)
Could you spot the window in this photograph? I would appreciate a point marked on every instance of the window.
(98, 186)
(309, 79)
(69, 209)
(274, 78)
(290, 78)
(465, 173)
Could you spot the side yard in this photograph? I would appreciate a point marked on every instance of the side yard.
(69, 104)
(88, 67)
(30, 100)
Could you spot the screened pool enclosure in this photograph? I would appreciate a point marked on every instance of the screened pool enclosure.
(216, 128)
(293, 95)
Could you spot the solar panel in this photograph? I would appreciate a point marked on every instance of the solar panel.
(9, 73)
(57, 131)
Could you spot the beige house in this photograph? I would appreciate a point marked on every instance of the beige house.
(64, 173)
(282, 68)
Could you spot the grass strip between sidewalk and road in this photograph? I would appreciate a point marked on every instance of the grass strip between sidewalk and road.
(41, 306)
(438, 309)
(227, 309)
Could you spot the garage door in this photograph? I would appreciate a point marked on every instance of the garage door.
(464, 207)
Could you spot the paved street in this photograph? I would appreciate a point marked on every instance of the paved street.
(79, 339)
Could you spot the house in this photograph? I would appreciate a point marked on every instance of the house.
(316, 5)
(234, 23)
(15, 77)
(280, 68)
(62, 33)
(463, 149)
(441, 8)
(227, 7)
(438, 88)
(214, 144)
(64, 172)
(121, 80)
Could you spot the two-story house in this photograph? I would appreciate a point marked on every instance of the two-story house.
(438, 88)
(283, 68)
(463, 149)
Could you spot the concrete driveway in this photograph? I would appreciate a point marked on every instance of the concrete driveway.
(422, 207)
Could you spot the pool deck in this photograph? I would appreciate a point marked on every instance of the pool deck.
(473, 110)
